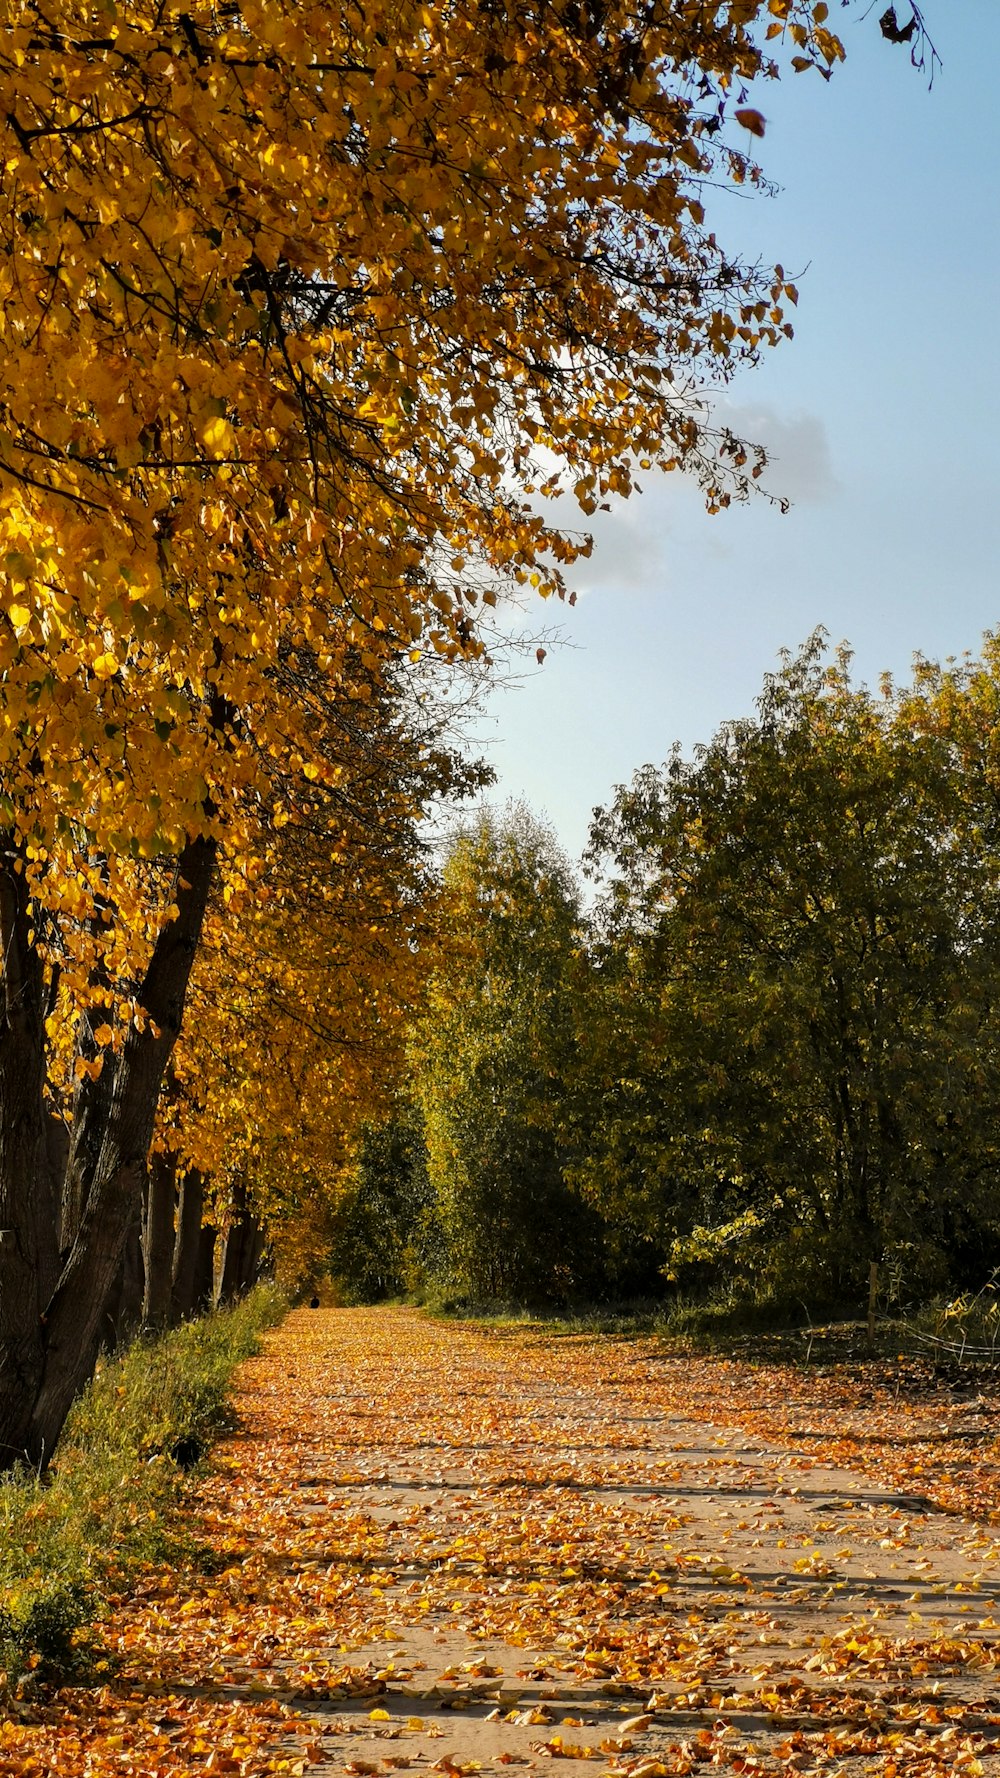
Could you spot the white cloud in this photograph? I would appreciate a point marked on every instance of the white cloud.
(800, 468)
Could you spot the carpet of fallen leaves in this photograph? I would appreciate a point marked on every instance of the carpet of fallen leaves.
(893, 1420)
(453, 1550)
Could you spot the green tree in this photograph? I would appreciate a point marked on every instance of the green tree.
(489, 1057)
(807, 914)
(383, 1228)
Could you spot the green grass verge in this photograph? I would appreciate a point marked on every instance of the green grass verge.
(771, 1329)
(944, 1341)
(108, 1506)
(673, 1317)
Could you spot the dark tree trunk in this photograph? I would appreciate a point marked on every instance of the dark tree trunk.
(237, 1255)
(233, 1243)
(27, 1204)
(204, 1271)
(254, 1243)
(123, 1314)
(57, 1155)
(187, 1245)
(158, 1239)
(46, 1349)
(92, 1102)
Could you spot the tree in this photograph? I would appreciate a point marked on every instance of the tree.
(383, 1233)
(813, 906)
(297, 1020)
(319, 290)
(310, 933)
(488, 1058)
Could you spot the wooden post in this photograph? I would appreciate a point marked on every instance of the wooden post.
(872, 1294)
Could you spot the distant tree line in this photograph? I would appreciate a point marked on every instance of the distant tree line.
(765, 1056)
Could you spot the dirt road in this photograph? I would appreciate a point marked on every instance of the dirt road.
(451, 1550)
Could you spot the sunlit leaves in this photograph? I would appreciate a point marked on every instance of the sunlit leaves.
(292, 306)
(797, 989)
(487, 1056)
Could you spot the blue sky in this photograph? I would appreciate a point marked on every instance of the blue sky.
(882, 417)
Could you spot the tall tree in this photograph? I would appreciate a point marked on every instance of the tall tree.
(301, 980)
(299, 299)
(809, 910)
(488, 1059)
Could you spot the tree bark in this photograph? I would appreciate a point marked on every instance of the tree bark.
(91, 1104)
(57, 1155)
(158, 1239)
(233, 1242)
(27, 1220)
(187, 1244)
(43, 1374)
(237, 1241)
(204, 1273)
(92, 1101)
(123, 1313)
(254, 1243)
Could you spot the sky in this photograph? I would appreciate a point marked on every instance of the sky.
(881, 417)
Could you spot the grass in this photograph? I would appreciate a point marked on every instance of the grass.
(958, 1335)
(108, 1506)
(686, 1320)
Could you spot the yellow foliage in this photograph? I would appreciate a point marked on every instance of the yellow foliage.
(289, 301)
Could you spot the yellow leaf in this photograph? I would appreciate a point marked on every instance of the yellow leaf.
(218, 437)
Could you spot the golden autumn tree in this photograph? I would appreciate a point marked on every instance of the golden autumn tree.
(297, 1020)
(295, 299)
(307, 963)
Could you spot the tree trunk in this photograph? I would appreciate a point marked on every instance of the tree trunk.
(158, 1239)
(28, 1257)
(204, 1271)
(57, 1155)
(123, 1313)
(92, 1100)
(46, 1349)
(254, 1243)
(233, 1243)
(187, 1245)
(237, 1253)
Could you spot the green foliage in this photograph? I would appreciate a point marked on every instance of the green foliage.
(965, 1328)
(107, 1504)
(165, 1389)
(489, 1058)
(44, 1630)
(384, 1234)
(799, 958)
(771, 1056)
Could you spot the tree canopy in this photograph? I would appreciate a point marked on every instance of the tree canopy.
(767, 1056)
(488, 1058)
(322, 288)
(808, 911)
